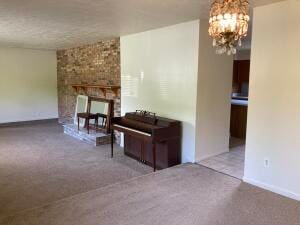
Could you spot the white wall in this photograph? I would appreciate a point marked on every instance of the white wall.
(274, 101)
(213, 98)
(28, 85)
(159, 73)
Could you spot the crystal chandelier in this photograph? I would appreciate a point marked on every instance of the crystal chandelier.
(228, 24)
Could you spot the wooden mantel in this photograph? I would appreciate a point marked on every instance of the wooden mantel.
(103, 88)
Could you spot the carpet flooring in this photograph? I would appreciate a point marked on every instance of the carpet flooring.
(39, 164)
(184, 195)
(188, 194)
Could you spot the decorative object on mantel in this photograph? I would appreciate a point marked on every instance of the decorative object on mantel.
(228, 24)
(103, 88)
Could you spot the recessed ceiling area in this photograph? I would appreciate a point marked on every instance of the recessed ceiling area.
(58, 24)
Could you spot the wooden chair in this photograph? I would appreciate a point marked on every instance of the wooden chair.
(87, 117)
(104, 119)
(95, 116)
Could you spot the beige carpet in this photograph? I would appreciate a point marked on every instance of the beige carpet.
(184, 195)
(39, 164)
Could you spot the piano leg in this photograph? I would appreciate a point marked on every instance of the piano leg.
(112, 143)
(154, 156)
(142, 157)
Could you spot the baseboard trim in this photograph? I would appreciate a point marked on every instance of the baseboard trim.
(273, 188)
(30, 122)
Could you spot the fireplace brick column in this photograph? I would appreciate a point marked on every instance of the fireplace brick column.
(94, 64)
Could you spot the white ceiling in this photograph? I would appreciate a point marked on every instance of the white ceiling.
(57, 24)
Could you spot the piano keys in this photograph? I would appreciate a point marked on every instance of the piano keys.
(155, 141)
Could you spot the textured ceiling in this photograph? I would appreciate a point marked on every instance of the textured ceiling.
(57, 24)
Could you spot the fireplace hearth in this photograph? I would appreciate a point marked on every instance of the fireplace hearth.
(93, 138)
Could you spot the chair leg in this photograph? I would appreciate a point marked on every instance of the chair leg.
(112, 143)
(96, 123)
(88, 126)
(78, 121)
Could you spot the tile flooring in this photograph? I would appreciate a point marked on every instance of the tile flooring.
(231, 163)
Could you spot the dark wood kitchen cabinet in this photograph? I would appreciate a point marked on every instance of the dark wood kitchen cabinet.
(241, 71)
(238, 121)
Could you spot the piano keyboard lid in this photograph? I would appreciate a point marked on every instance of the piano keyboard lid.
(133, 130)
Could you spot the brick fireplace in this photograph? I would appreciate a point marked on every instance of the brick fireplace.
(94, 64)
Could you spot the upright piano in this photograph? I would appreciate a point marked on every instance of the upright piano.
(153, 140)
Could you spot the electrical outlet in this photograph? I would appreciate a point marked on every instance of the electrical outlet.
(266, 163)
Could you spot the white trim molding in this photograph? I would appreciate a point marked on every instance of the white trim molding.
(272, 188)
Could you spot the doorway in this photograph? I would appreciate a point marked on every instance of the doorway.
(232, 162)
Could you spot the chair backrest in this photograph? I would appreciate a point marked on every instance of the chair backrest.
(101, 105)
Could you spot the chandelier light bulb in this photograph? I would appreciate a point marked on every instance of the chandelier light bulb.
(228, 24)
